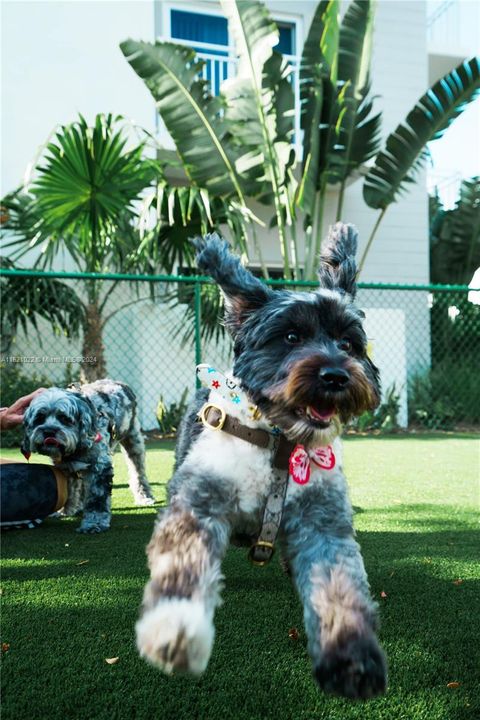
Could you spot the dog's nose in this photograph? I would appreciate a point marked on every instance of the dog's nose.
(334, 379)
(49, 431)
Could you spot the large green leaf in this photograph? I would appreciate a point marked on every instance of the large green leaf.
(404, 153)
(317, 68)
(260, 100)
(194, 118)
(261, 89)
(357, 136)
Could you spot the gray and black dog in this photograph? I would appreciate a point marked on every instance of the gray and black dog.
(79, 428)
(301, 359)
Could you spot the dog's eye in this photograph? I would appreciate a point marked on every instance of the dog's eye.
(345, 344)
(293, 338)
(40, 417)
(64, 419)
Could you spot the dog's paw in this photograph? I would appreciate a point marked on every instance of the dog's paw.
(94, 522)
(176, 636)
(355, 668)
(144, 500)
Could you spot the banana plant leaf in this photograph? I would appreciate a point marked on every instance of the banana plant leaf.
(356, 137)
(267, 103)
(405, 149)
(318, 68)
(194, 117)
(260, 99)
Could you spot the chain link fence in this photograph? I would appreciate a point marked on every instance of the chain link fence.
(150, 332)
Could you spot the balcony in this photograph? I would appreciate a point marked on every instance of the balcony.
(220, 65)
(453, 33)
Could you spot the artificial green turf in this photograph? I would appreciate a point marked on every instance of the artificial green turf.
(417, 504)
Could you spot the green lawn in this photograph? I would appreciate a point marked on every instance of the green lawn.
(417, 503)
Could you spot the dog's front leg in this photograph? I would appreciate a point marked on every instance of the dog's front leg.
(97, 487)
(339, 614)
(175, 630)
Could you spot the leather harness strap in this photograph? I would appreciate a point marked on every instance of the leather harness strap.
(215, 418)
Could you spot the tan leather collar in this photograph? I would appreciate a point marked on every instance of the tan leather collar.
(214, 417)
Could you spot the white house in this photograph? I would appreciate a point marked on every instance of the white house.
(60, 58)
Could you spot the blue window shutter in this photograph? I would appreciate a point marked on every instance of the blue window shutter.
(196, 26)
(286, 43)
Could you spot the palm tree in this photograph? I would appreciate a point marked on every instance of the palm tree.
(239, 145)
(82, 201)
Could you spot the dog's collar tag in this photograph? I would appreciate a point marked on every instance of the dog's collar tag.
(300, 460)
(26, 454)
(98, 437)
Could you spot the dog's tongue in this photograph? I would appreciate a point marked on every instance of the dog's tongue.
(51, 441)
(324, 414)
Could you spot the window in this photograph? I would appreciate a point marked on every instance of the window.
(205, 30)
(207, 33)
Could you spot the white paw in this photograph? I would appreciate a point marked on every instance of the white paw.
(144, 501)
(176, 635)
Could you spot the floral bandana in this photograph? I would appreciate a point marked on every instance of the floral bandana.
(229, 389)
(300, 459)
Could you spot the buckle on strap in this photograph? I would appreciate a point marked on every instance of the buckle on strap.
(266, 550)
(203, 415)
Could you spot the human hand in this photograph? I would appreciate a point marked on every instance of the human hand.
(11, 417)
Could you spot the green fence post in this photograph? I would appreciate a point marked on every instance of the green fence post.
(198, 320)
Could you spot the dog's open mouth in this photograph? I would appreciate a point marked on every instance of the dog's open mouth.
(52, 442)
(318, 415)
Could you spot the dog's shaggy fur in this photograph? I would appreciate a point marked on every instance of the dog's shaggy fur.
(302, 359)
(79, 429)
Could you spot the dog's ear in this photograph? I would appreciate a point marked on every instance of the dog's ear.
(243, 292)
(338, 269)
(87, 422)
(25, 447)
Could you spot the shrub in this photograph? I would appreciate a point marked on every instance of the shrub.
(169, 416)
(384, 418)
(446, 395)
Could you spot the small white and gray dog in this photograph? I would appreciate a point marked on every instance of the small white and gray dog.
(79, 428)
(301, 360)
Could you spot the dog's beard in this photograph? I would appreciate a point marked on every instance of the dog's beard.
(310, 415)
(56, 445)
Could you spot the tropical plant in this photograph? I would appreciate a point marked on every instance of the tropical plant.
(27, 299)
(82, 202)
(455, 236)
(170, 416)
(406, 148)
(239, 145)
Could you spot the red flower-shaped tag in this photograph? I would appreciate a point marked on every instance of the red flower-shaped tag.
(26, 454)
(98, 437)
(299, 465)
(324, 457)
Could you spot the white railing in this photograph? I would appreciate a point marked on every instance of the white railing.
(446, 184)
(221, 64)
(453, 27)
